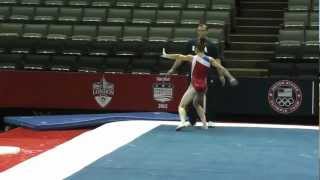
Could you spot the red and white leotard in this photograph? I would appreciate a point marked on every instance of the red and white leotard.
(199, 72)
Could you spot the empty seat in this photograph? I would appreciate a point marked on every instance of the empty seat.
(143, 65)
(298, 5)
(160, 34)
(90, 64)
(10, 29)
(59, 32)
(79, 3)
(168, 17)
(106, 40)
(46, 14)
(63, 63)
(56, 36)
(192, 17)
(32, 35)
(143, 16)
(198, 4)
(8, 2)
(315, 6)
(11, 61)
(307, 70)
(180, 38)
(217, 37)
(35, 31)
(30, 2)
(117, 64)
(94, 15)
(54, 2)
(158, 38)
(102, 3)
(4, 12)
(289, 45)
(282, 69)
(223, 5)
(36, 62)
(109, 33)
(218, 18)
(70, 14)
(80, 40)
(9, 32)
(176, 4)
(126, 3)
(314, 20)
(311, 46)
(121, 16)
(132, 40)
(83, 33)
(149, 4)
(21, 13)
(295, 20)
(134, 33)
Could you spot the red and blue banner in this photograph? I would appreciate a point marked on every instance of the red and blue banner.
(65, 90)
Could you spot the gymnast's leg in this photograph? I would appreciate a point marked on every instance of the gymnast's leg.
(197, 100)
(185, 101)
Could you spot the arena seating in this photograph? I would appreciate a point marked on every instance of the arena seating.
(298, 43)
(98, 36)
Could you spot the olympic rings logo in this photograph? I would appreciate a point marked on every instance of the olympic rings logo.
(284, 97)
(284, 101)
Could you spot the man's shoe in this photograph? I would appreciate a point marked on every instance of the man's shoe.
(192, 123)
(205, 127)
(183, 125)
(211, 124)
(179, 127)
(187, 124)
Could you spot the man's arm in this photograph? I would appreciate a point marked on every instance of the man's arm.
(213, 51)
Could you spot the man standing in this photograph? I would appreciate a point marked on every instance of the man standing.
(210, 50)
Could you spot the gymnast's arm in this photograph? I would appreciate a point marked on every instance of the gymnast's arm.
(178, 57)
(220, 68)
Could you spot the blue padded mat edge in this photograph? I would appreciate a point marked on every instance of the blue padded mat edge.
(84, 120)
